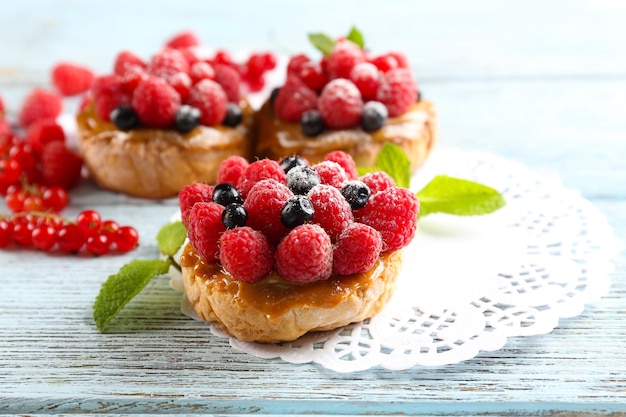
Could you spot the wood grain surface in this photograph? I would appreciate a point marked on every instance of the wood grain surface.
(543, 83)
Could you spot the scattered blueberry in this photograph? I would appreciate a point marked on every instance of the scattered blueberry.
(234, 116)
(296, 211)
(125, 117)
(311, 123)
(234, 215)
(187, 118)
(356, 193)
(374, 116)
(301, 179)
(226, 194)
(291, 161)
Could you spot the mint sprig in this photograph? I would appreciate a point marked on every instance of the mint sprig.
(325, 43)
(356, 36)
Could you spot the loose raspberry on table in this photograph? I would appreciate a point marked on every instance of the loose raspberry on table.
(192, 194)
(397, 91)
(260, 170)
(332, 211)
(125, 60)
(264, 204)
(366, 78)
(293, 99)
(230, 80)
(60, 166)
(183, 39)
(167, 62)
(71, 79)
(346, 162)
(393, 212)
(246, 254)
(331, 173)
(209, 97)
(378, 181)
(40, 104)
(231, 169)
(305, 254)
(340, 104)
(357, 249)
(42, 132)
(156, 102)
(205, 228)
(344, 56)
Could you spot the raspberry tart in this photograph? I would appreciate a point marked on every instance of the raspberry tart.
(280, 249)
(350, 101)
(150, 128)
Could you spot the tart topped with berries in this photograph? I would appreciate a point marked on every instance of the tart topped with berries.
(351, 101)
(278, 249)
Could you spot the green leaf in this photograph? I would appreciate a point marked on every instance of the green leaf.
(322, 42)
(394, 162)
(364, 170)
(356, 36)
(120, 288)
(459, 197)
(171, 237)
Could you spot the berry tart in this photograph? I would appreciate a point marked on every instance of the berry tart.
(279, 249)
(350, 101)
(150, 128)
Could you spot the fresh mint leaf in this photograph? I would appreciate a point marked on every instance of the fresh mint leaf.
(394, 162)
(356, 36)
(171, 237)
(322, 42)
(120, 288)
(460, 197)
(364, 170)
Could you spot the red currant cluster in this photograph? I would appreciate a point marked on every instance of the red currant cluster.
(25, 198)
(48, 232)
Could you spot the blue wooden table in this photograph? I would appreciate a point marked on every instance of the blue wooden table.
(543, 83)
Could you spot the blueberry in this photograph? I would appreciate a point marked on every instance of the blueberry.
(419, 97)
(124, 117)
(187, 118)
(311, 123)
(296, 211)
(356, 193)
(301, 179)
(291, 161)
(226, 194)
(273, 95)
(234, 215)
(374, 116)
(234, 116)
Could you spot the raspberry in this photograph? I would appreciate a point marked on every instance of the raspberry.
(293, 99)
(366, 78)
(344, 56)
(295, 64)
(167, 62)
(108, 95)
(346, 162)
(340, 104)
(385, 63)
(230, 80)
(332, 211)
(208, 97)
(1, 108)
(331, 173)
(246, 254)
(125, 60)
(71, 79)
(40, 104)
(200, 71)
(133, 76)
(393, 212)
(378, 181)
(264, 205)
(205, 228)
(192, 194)
(181, 82)
(313, 76)
(357, 249)
(257, 171)
(400, 58)
(42, 132)
(397, 91)
(231, 169)
(183, 40)
(305, 254)
(60, 166)
(156, 102)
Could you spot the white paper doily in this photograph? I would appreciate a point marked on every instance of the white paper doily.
(468, 283)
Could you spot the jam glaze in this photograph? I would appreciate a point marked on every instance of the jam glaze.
(274, 309)
(158, 163)
(415, 132)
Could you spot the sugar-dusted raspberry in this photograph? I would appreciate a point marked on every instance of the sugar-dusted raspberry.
(42, 132)
(156, 102)
(246, 254)
(183, 39)
(340, 104)
(40, 104)
(126, 60)
(201, 71)
(108, 95)
(385, 63)
(400, 58)
(167, 62)
(131, 78)
(312, 74)
(378, 181)
(293, 99)
(231, 169)
(397, 91)
(264, 204)
(181, 82)
(208, 97)
(357, 249)
(192, 194)
(366, 77)
(230, 80)
(346, 162)
(71, 79)
(332, 211)
(205, 228)
(393, 212)
(305, 254)
(344, 56)
(295, 64)
(60, 166)
(260, 170)
(331, 173)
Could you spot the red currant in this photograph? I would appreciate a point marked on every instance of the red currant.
(44, 237)
(109, 228)
(126, 239)
(6, 232)
(70, 239)
(23, 233)
(10, 171)
(98, 244)
(55, 198)
(88, 221)
(15, 199)
(33, 202)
